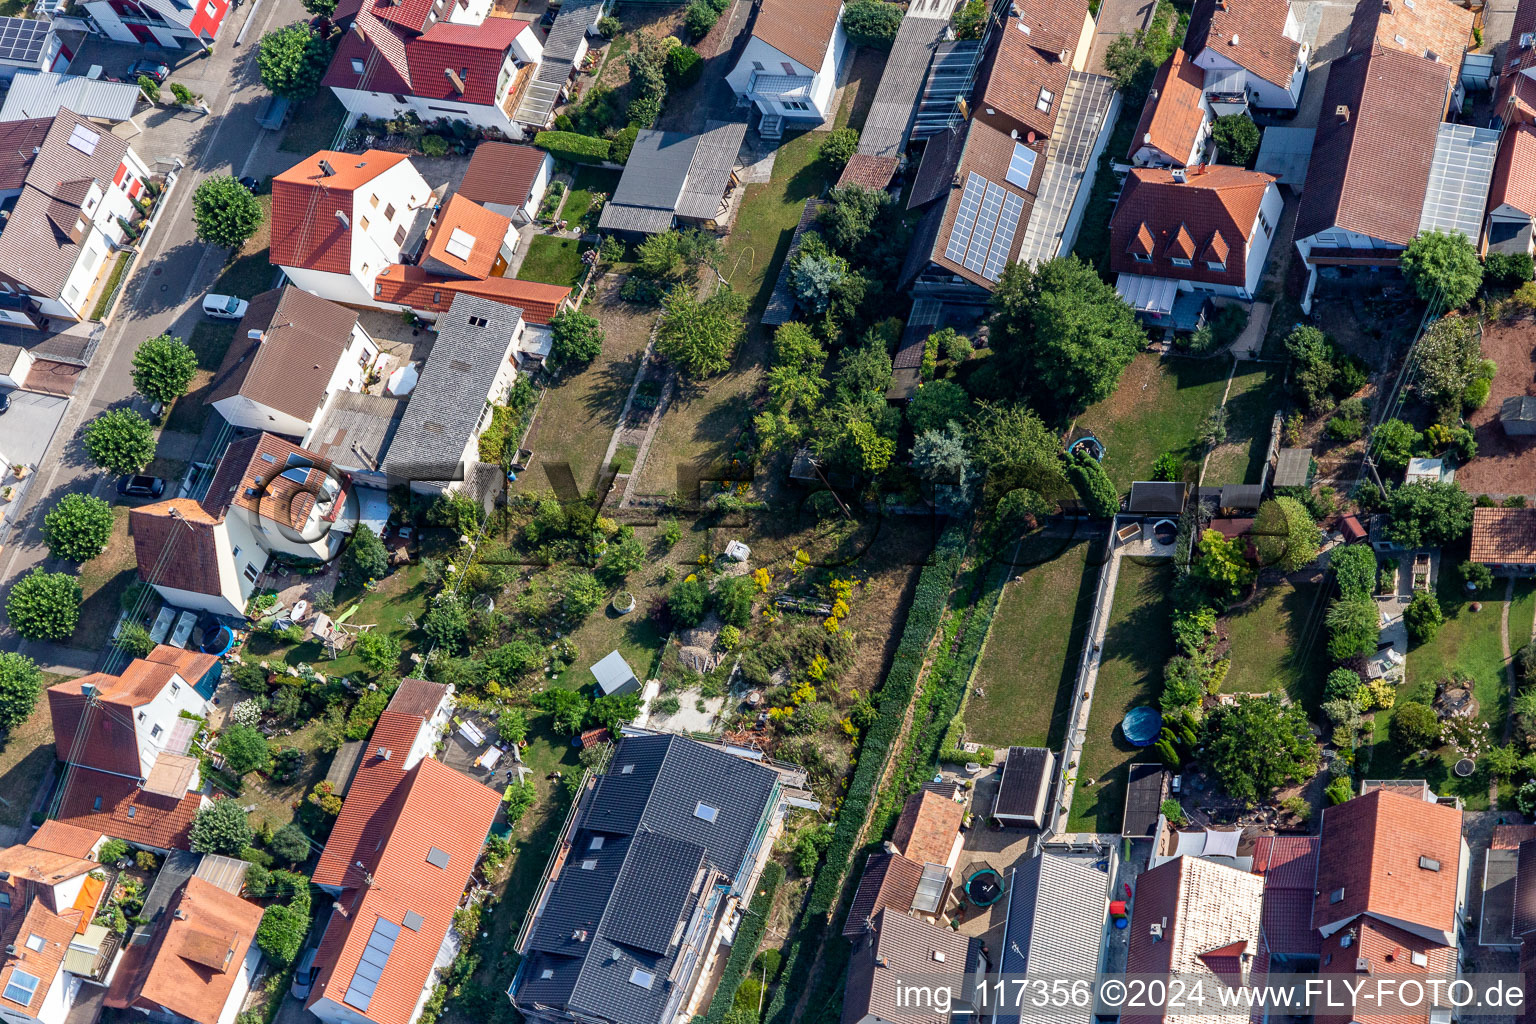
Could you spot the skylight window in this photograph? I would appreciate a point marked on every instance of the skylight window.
(642, 978)
(596, 844)
(22, 986)
(413, 920)
(460, 244)
(706, 812)
(83, 139)
(437, 858)
(1419, 959)
(1021, 165)
(547, 973)
(1337, 896)
(1429, 864)
(1043, 104)
(589, 864)
(35, 942)
(628, 769)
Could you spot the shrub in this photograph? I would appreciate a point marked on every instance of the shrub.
(134, 640)
(1340, 790)
(1423, 617)
(1093, 487)
(1476, 395)
(1443, 266)
(365, 558)
(112, 851)
(1353, 628)
(623, 142)
(700, 18)
(871, 23)
(745, 947)
(733, 600)
(45, 605)
(1507, 270)
(78, 527)
(1415, 726)
(244, 749)
(1237, 138)
(1343, 684)
(684, 66)
(281, 932)
(581, 149)
(292, 60)
(434, 145)
(1169, 466)
(609, 26)
(290, 843)
(688, 602)
(379, 652)
(839, 146)
(1354, 566)
(1477, 574)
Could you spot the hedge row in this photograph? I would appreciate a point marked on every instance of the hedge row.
(748, 934)
(928, 603)
(581, 149)
(950, 706)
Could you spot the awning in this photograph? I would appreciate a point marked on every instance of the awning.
(1152, 295)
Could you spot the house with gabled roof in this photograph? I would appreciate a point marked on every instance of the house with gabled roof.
(787, 72)
(268, 497)
(1251, 52)
(454, 59)
(1511, 221)
(1197, 919)
(508, 179)
(663, 849)
(1515, 97)
(1205, 230)
(292, 355)
(1175, 125)
(398, 860)
(1391, 890)
(200, 961)
(68, 184)
(126, 740)
(896, 947)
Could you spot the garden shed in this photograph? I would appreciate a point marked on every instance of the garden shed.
(1293, 468)
(614, 675)
(1024, 787)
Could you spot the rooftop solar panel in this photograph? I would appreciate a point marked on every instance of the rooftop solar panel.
(371, 967)
(965, 218)
(22, 39)
(1021, 165)
(1002, 242)
(986, 227)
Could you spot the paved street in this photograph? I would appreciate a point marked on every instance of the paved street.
(172, 275)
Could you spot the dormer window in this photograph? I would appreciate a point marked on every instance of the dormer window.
(1219, 268)
(1142, 257)
(1179, 261)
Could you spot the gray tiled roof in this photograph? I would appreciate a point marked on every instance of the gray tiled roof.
(1057, 905)
(473, 338)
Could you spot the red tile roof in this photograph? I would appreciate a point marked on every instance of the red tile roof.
(1514, 171)
(1021, 63)
(251, 476)
(197, 953)
(1426, 27)
(928, 827)
(1370, 166)
(799, 29)
(56, 931)
(870, 171)
(61, 837)
(1504, 535)
(485, 230)
(126, 811)
(110, 742)
(1388, 950)
(434, 808)
(1249, 33)
(1212, 211)
(420, 290)
(380, 46)
(501, 172)
(366, 817)
(175, 543)
(479, 50)
(1374, 848)
(1288, 865)
(1172, 116)
(306, 231)
(889, 880)
(1517, 58)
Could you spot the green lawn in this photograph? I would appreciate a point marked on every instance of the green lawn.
(1137, 643)
(103, 580)
(588, 180)
(1278, 644)
(210, 340)
(1023, 683)
(552, 260)
(314, 124)
(1257, 390)
(1468, 643)
(1158, 407)
(26, 753)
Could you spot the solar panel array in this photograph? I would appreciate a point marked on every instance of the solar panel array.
(1459, 178)
(984, 227)
(371, 967)
(22, 39)
(83, 139)
(1021, 165)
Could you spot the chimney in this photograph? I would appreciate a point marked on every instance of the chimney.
(1342, 112)
(1062, 56)
(453, 77)
(326, 169)
(5, 876)
(180, 915)
(344, 221)
(889, 847)
(385, 753)
(10, 950)
(1179, 175)
(881, 961)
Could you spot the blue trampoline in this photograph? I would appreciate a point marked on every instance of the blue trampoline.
(1141, 725)
(1088, 445)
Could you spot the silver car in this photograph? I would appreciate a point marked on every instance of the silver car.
(304, 977)
(224, 307)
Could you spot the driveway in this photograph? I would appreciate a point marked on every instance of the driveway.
(30, 424)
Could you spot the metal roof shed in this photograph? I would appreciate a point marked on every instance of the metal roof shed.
(1242, 496)
(614, 675)
(1144, 792)
(1157, 497)
(42, 93)
(1293, 468)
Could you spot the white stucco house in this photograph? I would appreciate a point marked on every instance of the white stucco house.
(294, 352)
(67, 186)
(788, 69)
(269, 497)
(1251, 52)
(173, 24)
(1205, 231)
(439, 60)
(1175, 125)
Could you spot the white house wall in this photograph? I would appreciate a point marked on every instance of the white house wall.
(530, 209)
(374, 246)
(65, 892)
(775, 62)
(1261, 93)
(336, 287)
(527, 48)
(471, 12)
(1260, 239)
(16, 375)
(383, 105)
(56, 1004)
(242, 985)
(240, 411)
(214, 604)
(175, 697)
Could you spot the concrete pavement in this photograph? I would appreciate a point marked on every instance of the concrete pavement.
(174, 271)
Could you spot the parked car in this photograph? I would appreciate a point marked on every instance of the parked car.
(224, 307)
(140, 487)
(151, 69)
(250, 184)
(304, 977)
(5, 401)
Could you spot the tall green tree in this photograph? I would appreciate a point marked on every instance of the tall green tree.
(45, 605)
(21, 683)
(936, 403)
(78, 527)
(1062, 334)
(1425, 514)
(1257, 744)
(871, 23)
(120, 441)
(699, 337)
(292, 60)
(221, 827)
(1237, 138)
(1449, 357)
(1443, 266)
(365, 557)
(1222, 567)
(1285, 534)
(164, 366)
(576, 338)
